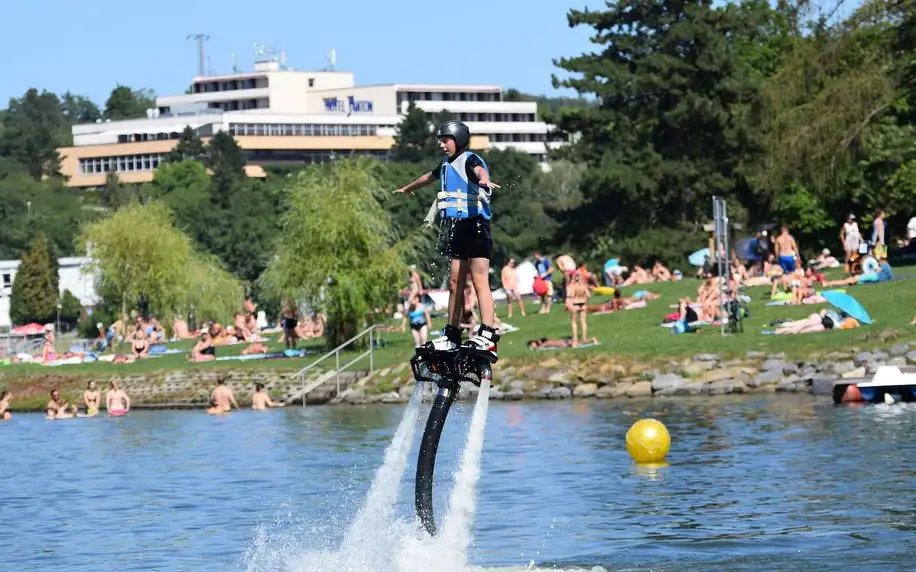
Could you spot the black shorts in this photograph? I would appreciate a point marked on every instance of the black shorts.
(465, 238)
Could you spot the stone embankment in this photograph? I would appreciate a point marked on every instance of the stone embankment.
(557, 376)
(606, 377)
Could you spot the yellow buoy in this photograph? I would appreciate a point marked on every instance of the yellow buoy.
(648, 441)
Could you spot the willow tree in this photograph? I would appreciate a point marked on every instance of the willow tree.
(833, 86)
(137, 251)
(337, 249)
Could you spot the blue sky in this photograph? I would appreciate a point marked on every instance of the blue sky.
(89, 46)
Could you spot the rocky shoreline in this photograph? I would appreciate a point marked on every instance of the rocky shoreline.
(602, 377)
(557, 377)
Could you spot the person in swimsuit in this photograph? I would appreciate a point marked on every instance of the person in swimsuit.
(223, 395)
(419, 322)
(260, 399)
(5, 414)
(548, 343)
(116, 400)
(787, 250)
(91, 399)
(215, 409)
(577, 295)
(288, 320)
(59, 409)
(204, 349)
(510, 285)
(140, 345)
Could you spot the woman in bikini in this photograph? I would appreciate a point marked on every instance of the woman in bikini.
(577, 294)
(140, 345)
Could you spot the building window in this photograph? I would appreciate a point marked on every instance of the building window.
(302, 130)
(145, 162)
(7, 280)
(311, 82)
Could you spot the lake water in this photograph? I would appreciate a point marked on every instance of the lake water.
(754, 483)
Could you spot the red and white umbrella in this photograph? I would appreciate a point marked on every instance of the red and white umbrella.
(32, 329)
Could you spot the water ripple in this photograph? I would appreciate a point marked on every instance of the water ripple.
(758, 483)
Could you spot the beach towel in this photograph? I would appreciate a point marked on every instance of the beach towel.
(579, 347)
(506, 328)
(691, 324)
(272, 355)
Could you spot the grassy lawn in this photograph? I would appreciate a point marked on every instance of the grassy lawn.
(632, 334)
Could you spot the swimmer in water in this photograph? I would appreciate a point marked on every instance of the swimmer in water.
(57, 408)
(116, 400)
(5, 414)
(260, 399)
(91, 398)
(223, 395)
(215, 409)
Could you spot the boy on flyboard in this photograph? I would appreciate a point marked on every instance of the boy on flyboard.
(464, 237)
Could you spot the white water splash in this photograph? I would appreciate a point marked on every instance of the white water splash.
(376, 512)
(376, 541)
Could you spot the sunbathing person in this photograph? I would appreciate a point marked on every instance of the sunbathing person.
(660, 272)
(255, 348)
(204, 349)
(819, 322)
(637, 276)
(139, 345)
(618, 302)
(867, 276)
(242, 333)
(548, 343)
(180, 329)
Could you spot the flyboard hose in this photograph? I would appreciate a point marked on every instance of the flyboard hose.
(447, 371)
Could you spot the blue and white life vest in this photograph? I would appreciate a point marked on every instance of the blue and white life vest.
(458, 197)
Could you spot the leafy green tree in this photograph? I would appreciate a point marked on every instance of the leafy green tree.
(189, 146)
(326, 209)
(125, 103)
(166, 270)
(115, 195)
(414, 142)
(71, 309)
(34, 126)
(34, 294)
(185, 187)
(29, 207)
(79, 109)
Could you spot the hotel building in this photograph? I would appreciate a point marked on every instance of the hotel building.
(281, 116)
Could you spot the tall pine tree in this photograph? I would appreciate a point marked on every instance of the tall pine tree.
(34, 296)
(665, 135)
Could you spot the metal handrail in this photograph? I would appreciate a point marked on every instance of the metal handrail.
(336, 353)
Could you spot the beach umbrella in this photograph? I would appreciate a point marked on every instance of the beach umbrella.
(698, 257)
(32, 329)
(848, 305)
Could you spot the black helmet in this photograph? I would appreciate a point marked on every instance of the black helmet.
(457, 130)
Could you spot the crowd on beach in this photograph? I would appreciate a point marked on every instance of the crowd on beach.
(775, 262)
